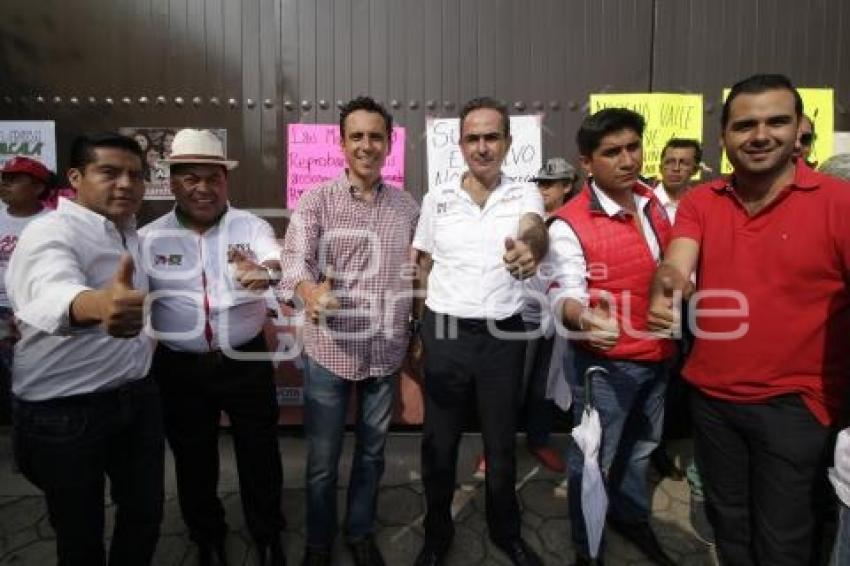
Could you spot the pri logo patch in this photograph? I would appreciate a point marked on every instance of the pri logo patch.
(172, 259)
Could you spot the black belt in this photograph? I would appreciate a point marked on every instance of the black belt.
(213, 358)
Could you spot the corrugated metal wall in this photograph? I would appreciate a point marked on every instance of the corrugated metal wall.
(255, 66)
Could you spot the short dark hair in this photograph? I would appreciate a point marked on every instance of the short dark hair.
(758, 84)
(368, 104)
(604, 122)
(683, 143)
(487, 102)
(83, 146)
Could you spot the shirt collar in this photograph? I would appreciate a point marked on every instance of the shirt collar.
(354, 191)
(661, 194)
(601, 202)
(805, 179)
(179, 218)
(90, 217)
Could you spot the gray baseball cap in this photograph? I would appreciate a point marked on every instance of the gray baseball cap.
(555, 169)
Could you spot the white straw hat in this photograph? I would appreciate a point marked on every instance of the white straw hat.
(198, 146)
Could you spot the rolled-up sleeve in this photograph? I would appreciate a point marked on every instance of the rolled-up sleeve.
(265, 244)
(567, 264)
(43, 278)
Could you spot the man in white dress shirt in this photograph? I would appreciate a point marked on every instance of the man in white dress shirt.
(84, 408)
(209, 266)
(477, 237)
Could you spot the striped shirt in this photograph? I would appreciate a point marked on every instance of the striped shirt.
(367, 244)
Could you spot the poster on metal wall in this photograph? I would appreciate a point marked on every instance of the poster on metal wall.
(667, 115)
(314, 155)
(445, 162)
(156, 146)
(33, 139)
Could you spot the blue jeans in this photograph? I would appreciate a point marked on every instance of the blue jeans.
(326, 401)
(630, 403)
(68, 446)
(841, 550)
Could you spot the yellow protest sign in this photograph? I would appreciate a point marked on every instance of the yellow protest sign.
(667, 116)
(819, 105)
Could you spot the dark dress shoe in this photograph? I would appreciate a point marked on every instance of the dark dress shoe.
(270, 553)
(641, 535)
(212, 554)
(431, 556)
(316, 557)
(365, 552)
(520, 553)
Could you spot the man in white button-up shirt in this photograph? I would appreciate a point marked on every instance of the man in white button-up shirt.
(477, 237)
(209, 266)
(84, 408)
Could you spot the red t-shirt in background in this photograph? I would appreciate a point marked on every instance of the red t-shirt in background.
(789, 264)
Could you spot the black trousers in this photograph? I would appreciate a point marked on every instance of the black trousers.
(68, 446)
(473, 365)
(195, 389)
(763, 466)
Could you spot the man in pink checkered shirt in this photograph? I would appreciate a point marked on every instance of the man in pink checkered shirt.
(347, 262)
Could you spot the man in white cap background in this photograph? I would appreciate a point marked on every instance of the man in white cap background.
(209, 266)
(23, 181)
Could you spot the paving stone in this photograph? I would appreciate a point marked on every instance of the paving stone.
(45, 529)
(555, 538)
(21, 514)
(295, 509)
(39, 553)
(233, 514)
(677, 490)
(294, 546)
(545, 522)
(172, 520)
(538, 497)
(400, 545)
(660, 500)
(399, 506)
(468, 548)
(171, 550)
(19, 539)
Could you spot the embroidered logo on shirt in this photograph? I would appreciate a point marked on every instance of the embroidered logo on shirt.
(172, 259)
(242, 247)
(442, 207)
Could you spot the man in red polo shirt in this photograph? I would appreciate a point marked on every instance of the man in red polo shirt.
(616, 232)
(771, 316)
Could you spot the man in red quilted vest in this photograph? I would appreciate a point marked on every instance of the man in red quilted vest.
(618, 229)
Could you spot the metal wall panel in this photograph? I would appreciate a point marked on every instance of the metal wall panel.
(705, 46)
(257, 65)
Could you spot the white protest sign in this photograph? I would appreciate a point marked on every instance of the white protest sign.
(36, 140)
(445, 161)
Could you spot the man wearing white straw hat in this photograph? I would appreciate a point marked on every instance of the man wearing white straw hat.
(209, 266)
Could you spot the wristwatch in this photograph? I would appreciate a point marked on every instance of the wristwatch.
(414, 325)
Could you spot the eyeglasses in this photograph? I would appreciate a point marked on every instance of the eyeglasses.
(807, 139)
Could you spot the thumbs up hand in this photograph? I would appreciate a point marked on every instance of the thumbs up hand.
(600, 326)
(250, 274)
(319, 298)
(664, 318)
(518, 258)
(121, 305)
